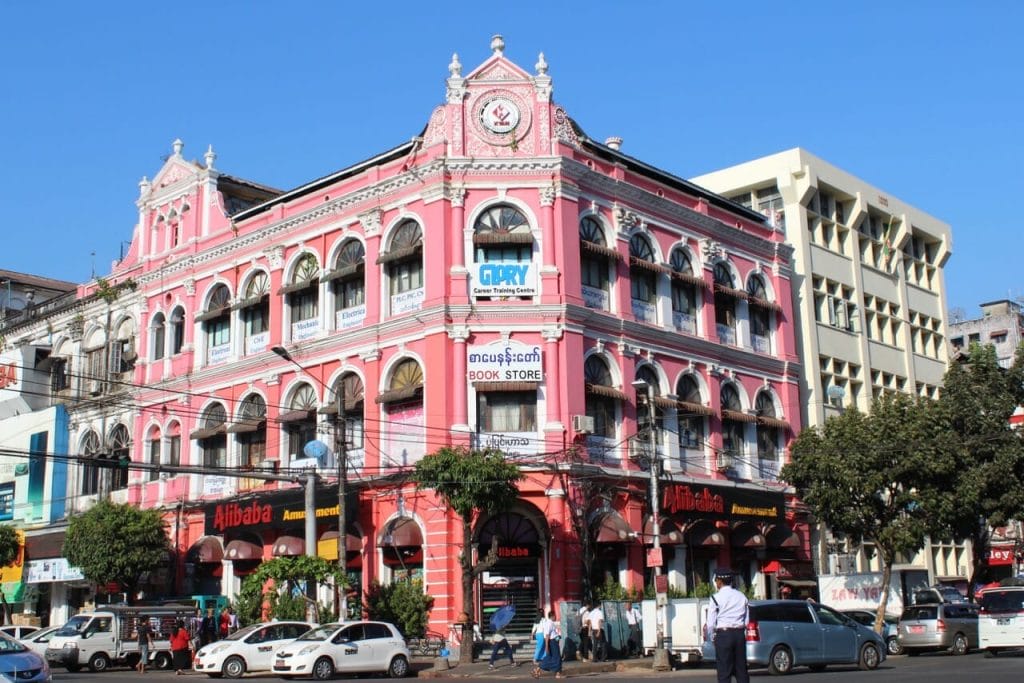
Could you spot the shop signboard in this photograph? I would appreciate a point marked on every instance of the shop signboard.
(51, 570)
(504, 278)
(722, 502)
(505, 361)
(409, 301)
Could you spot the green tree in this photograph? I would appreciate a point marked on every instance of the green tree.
(981, 483)
(116, 543)
(402, 603)
(862, 475)
(471, 482)
(9, 545)
(278, 585)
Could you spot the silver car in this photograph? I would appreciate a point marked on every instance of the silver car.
(940, 626)
(783, 634)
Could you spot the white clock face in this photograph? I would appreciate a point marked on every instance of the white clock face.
(499, 115)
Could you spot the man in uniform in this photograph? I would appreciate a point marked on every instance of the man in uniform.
(727, 623)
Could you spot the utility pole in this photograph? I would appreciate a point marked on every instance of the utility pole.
(661, 662)
(341, 452)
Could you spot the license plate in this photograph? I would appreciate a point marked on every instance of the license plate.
(1004, 622)
(916, 629)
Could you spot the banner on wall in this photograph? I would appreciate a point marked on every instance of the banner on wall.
(505, 361)
(504, 279)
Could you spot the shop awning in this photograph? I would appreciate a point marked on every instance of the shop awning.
(705, 535)
(799, 583)
(44, 546)
(606, 391)
(289, 546)
(401, 533)
(207, 550)
(747, 536)
(207, 432)
(399, 395)
(327, 544)
(610, 527)
(247, 425)
(670, 534)
(781, 536)
(297, 415)
(243, 550)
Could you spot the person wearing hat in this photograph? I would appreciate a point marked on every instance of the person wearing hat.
(726, 626)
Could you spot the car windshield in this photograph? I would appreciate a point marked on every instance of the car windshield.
(320, 632)
(8, 644)
(1002, 601)
(243, 632)
(921, 612)
(73, 626)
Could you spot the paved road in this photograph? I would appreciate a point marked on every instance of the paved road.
(937, 668)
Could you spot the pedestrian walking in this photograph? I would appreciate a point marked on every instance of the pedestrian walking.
(634, 642)
(181, 653)
(552, 659)
(144, 634)
(726, 626)
(595, 620)
(500, 645)
(208, 628)
(537, 633)
(584, 630)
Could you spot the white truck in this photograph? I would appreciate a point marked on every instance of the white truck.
(684, 637)
(104, 637)
(864, 590)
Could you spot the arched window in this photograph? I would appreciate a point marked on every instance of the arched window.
(174, 444)
(177, 330)
(503, 250)
(153, 450)
(348, 283)
(726, 296)
(692, 413)
(303, 293)
(90, 466)
(120, 455)
(403, 401)
(255, 309)
(597, 261)
(158, 336)
(643, 278)
(251, 432)
(769, 429)
(216, 320)
(760, 311)
(212, 436)
(403, 265)
(350, 389)
(684, 292)
(602, 398)
(647, 374)
(300, 420)
(734, 422)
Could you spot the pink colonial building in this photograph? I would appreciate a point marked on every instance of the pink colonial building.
(501, 280)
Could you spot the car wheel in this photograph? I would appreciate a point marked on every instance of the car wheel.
(99, 662)
(893, 646)
(163, 661)
(780, 662)
(960, 645)
(323, 669)
(870, 657)
(399, 667)
(234, 667)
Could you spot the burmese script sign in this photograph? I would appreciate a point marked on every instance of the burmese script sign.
(722, 502)
(504, 362)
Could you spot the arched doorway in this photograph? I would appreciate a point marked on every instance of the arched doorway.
(517, 575)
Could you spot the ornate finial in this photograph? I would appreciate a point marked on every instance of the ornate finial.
(498, 44)
(177, 146)
(144, 186)
(541, 65)
(210, 156)
(455, 68)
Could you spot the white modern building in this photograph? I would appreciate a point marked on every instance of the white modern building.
(869, 297)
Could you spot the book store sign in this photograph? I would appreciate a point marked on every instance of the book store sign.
(504, 362)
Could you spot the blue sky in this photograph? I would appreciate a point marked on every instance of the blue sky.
(921, 99)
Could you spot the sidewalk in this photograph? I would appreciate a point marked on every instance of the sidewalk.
(502, 669)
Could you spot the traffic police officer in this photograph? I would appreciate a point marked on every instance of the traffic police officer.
(726, 626)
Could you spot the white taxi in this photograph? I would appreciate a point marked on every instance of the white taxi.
(351, 647)
(248, 649)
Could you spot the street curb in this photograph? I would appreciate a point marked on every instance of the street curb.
(480, 670)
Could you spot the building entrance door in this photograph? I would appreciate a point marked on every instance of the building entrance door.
(515, 579)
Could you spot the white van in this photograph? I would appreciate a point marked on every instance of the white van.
(106, 637)
(1001, 619)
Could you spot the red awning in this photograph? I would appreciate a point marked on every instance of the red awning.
(207, 550)
(401, 533)
(611, 528)
(670, 534)
(243, 550)
(781, 536)
(747, 536)
(705, 535)
(353, 543)
(289, 546)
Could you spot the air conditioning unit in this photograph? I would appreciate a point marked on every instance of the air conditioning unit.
(95, 387)
(725, 462)
(842, 563)
(582, 424)
(638, 449)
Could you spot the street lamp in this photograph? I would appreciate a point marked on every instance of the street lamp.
(661, 662)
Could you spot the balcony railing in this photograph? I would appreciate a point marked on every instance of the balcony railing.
(726, 334)
(684, 322)
(645, 311)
